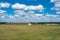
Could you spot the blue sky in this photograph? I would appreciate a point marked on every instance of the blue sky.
(29, 11)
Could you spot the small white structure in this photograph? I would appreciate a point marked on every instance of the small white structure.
(29, 24)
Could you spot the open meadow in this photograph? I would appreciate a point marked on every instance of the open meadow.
(32, 32)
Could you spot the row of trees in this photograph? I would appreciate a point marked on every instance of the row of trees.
(45, 22)
(3, 22)
(36, 23)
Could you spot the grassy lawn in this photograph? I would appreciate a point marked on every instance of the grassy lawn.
(26, 32)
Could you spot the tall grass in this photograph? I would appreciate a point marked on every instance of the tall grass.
(26, 32)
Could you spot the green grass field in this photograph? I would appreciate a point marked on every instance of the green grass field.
(26, 32)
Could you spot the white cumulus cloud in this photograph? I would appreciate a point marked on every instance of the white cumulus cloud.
(4, 4)
(39, 14)
(2, 11)
(58, 12)
(25, 7)
(57, 5)
(18, 6)
(3, 15)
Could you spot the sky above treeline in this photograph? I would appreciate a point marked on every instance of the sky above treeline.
(29, 10)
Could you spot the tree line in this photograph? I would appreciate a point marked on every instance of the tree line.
(36, 23)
